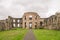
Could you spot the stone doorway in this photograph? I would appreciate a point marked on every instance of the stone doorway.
(30, 25)
(41, 23)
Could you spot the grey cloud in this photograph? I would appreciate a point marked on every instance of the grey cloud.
(16, 8)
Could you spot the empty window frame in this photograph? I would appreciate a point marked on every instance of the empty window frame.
(18, 25)
(13, 20)
(30, 24)
(41, 23)
(18, 20)
(30, 17)
(14, 25)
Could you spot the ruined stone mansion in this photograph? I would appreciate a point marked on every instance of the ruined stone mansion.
(31, 20)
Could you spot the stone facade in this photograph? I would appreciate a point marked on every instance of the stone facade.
(10, 23)
(31, 20)
(53, 22)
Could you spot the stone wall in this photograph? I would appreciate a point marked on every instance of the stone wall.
(53, 22)
(14, 22)
(9, 23)
(3, 25)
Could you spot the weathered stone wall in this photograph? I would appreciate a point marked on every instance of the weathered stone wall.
(14, 22)
(58, 20)
(2, 25)
(9, 24)
(53, 22)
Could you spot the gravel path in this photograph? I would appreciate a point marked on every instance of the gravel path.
(29, 36)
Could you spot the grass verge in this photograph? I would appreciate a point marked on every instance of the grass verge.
(42, 34)
(15, 34)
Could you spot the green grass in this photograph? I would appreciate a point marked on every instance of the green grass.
(16, 34)
(42, 34)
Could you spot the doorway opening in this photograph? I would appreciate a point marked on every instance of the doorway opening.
(35, 26)
(41, 23)
(30, 25)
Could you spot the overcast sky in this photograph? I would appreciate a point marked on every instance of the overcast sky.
(16, 8)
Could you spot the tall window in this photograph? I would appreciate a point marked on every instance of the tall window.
(30, 17)
(18, 25)
(25, 24)
(41, 23)
(25, 17)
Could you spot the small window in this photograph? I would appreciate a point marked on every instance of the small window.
(13, 20)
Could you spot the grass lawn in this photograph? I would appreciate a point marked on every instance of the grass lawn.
(16, 34)
(42, 34)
